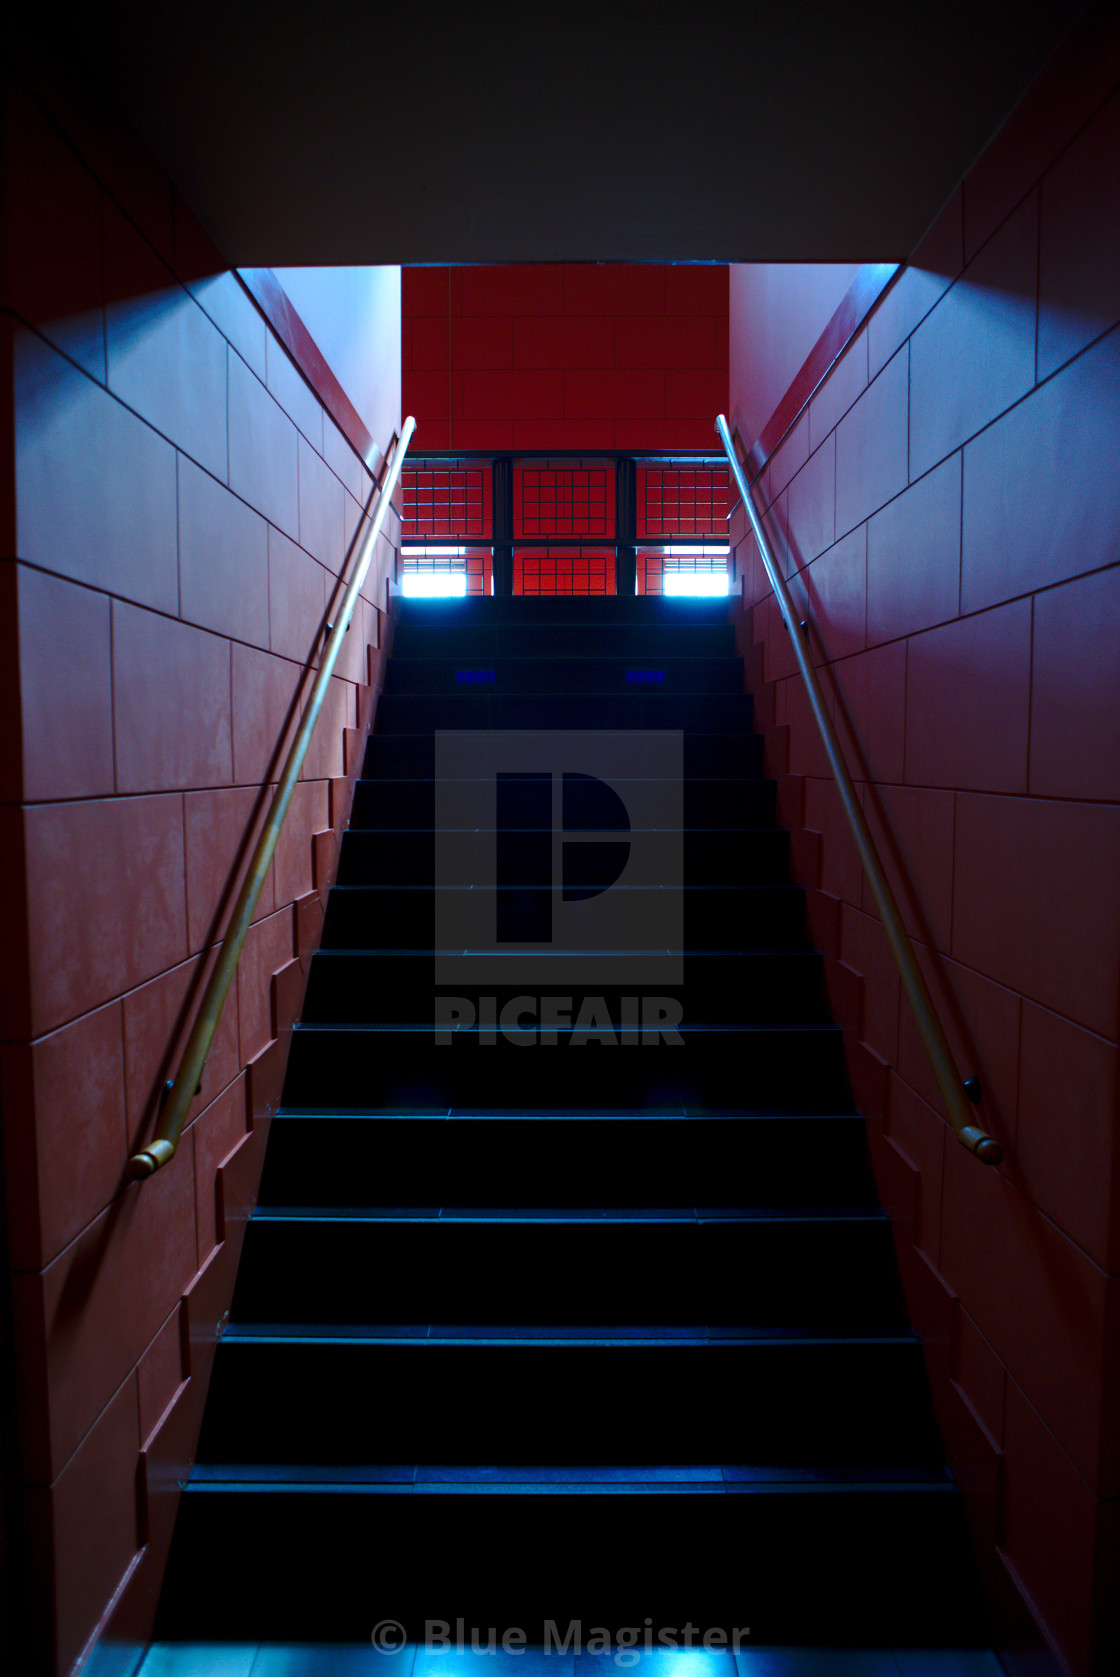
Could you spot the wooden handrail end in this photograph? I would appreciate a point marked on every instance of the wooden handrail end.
(986, 1148)
(149, 1159)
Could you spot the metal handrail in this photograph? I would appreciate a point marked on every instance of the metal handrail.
(953, 1089)
(185, 1085)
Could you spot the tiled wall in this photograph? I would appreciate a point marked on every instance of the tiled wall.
(948, 512)
(177, 508)
(576, 355)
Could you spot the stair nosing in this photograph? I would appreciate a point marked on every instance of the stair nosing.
(238, 1333)
(544, 1218)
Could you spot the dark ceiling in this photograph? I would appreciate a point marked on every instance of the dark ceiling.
(353, 133)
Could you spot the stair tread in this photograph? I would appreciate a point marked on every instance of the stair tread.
(565, 1115)
(689, 953)
(516, 1114)
(669, 1479)
(577, 657)
(383, 781)
(503, 1336)
(608, 1216)
(608, 832)
(820, 1027)
(708, 886)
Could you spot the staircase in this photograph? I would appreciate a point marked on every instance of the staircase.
(601, 1327)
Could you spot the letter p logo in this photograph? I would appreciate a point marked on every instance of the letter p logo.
(559, 858)
(525, 849)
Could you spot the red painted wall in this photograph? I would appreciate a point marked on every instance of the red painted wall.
(947, 509)
(797, 303)
(177, 506)
(572, 355)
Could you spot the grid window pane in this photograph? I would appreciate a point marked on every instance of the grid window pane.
(435, 502)
(683, 501)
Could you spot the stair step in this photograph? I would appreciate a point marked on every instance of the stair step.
(404, 755)
(541, 638)
(711, 916)
(391, 804)
(776, 1562)
(696, 855)
(642, 708)
(729, 1478)
(639, 1159)
(511, 612)
(808, 1273)
(386, 986)
(509, 1398)
(577, 674)
(794, 1068)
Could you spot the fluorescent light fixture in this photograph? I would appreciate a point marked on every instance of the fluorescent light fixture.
(420, 552)
(434, 585)
(686, 584)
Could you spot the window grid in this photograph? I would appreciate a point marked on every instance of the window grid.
(455, 502)
(563, 572)
(556, 501)
(674, 501)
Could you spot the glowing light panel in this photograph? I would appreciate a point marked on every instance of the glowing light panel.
(434, 585)
(693, 584)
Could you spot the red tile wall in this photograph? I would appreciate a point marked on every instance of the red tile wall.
(177, 510)
(948, 516)
(570, 355)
